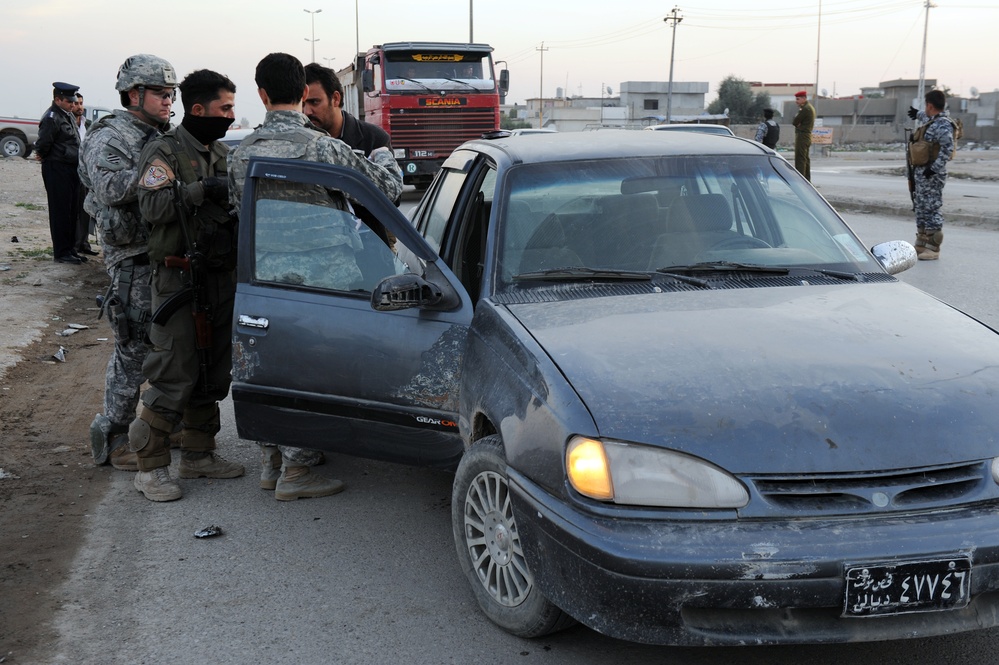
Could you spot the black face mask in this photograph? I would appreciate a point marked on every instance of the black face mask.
(206, 128)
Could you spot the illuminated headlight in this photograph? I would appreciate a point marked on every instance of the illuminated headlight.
(630, 474)
(399, 153)
(995, 470)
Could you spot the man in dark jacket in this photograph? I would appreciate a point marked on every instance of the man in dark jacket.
(58, 146)
(324, 107)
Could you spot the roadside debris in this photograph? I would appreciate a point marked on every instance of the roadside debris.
(60, 355)
(6, 475)
(209, 532)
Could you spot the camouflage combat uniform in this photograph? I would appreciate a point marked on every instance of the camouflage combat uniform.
(306, 255)
(180, 387)
(929, 190)
(109, 169)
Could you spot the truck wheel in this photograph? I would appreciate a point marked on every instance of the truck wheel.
(12, 146)
(488, 544)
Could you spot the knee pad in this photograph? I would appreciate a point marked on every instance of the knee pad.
(139, 434)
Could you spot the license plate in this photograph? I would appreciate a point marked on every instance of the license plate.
(907, 586)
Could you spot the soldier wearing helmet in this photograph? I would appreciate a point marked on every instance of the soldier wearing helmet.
(109, 169)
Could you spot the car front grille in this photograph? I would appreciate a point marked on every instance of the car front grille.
(847, 494)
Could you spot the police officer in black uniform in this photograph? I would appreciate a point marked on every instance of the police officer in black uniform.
(58, 146)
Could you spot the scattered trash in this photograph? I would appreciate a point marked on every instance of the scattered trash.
(67, 332)
(4, 475)
(60, 355)
(78, 326)
(102, 339)
(14, 239)
(209, 532)
(5, 267)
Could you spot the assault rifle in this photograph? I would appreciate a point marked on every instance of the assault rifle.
(193, 263)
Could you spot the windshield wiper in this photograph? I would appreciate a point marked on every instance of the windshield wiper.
(582, 273)
(421, 84)
(725, 266)
(730, 266)
(686, 279)
(462, 83)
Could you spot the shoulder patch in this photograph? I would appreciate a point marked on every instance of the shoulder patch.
(156, 175)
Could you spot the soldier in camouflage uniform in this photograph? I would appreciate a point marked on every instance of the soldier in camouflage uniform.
(109, 169)
(184, 170)
(298, 253)
(931, 178)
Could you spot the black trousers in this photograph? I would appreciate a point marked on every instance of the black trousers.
(62, 186)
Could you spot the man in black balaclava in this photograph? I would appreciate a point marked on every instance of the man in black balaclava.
(188, 370)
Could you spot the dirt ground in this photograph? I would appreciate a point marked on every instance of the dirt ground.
(48, 482)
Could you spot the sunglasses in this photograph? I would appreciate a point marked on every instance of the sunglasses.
(164, 93)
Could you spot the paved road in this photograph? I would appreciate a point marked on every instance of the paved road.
(370, 576)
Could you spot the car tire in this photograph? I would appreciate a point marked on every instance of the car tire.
(488, 545)
(12, 146)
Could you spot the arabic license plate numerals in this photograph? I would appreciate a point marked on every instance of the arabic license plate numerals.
(910, 586)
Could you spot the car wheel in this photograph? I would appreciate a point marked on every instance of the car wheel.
(12, 146)
(489, 550)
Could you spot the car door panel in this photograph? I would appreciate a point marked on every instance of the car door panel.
(322, 369)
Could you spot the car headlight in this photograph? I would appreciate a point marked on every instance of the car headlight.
(399, 153)
(639, 475)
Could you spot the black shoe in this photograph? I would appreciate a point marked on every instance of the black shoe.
(88, 251)
(83, 259)
(69, 258)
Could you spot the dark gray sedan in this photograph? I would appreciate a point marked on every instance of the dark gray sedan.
(684, 403)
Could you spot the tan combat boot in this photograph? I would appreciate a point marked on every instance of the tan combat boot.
(124, 459)
(932, 250)
(920, 240)
(297, 482)
(157, 485)
(270, 462)
(207, 464)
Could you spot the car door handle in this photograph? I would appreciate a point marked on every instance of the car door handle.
(254, 321)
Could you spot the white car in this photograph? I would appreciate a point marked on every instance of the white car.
(703, 128)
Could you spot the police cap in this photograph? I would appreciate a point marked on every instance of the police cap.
(64, 90)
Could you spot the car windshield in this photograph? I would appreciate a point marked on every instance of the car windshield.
(685, 214)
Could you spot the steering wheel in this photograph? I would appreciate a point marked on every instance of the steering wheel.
(740, 242)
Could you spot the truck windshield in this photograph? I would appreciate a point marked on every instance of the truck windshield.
(441, 70)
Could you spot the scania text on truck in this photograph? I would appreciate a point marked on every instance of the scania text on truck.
(429, 96)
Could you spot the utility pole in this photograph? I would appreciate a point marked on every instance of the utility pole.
(313, 40)
(357, 33)
(471, 40)
(541, 88)
(920, 101)
(669, 92)
(818, 43)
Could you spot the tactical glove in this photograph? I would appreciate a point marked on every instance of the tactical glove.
(913, 112)
(928, 172)
(216, 189)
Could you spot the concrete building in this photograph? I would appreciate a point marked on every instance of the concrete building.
(782, 93)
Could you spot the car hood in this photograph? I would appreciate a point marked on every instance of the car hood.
(804, 379)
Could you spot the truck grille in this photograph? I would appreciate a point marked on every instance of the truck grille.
(438, 130)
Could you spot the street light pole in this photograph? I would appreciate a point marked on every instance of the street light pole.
(541, 89)
(669, 92)
(921, 100)
(471, 39)
(313, 40)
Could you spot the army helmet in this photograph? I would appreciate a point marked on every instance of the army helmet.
(145, 70)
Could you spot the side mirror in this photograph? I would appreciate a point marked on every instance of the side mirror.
(895, 255)
(404, 292)
(368, 80)
(504, 82)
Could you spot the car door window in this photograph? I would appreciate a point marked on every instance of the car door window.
(435, 220)
(313, 243)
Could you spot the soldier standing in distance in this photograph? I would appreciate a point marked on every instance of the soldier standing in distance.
(804, 122)
(931, 178)
(287, 133)
(109, 169)
(186, 167)
(58, 146)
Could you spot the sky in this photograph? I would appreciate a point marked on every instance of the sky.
(588, 48)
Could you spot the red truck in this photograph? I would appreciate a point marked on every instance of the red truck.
(429, 96)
